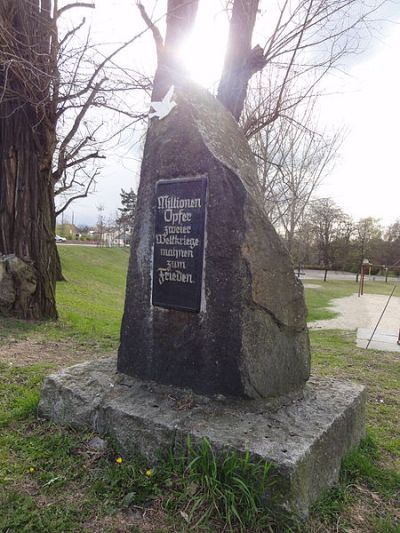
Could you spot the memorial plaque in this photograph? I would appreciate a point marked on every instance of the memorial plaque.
(180, 206)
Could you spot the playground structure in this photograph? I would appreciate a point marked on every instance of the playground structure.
(366, 268)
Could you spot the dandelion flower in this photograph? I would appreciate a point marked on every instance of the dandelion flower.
(149, 472)
(119, 460)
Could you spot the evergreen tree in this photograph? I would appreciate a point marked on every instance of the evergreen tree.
(128, 209)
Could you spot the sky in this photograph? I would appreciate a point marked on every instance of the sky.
(363, 98)
(365, 180)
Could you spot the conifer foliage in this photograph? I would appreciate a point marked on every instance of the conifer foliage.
(128, 209)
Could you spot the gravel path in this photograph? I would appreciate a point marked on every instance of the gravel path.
(362, 312)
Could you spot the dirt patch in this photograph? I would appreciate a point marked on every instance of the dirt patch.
(36, 350)
(362, 515)
(135, 518)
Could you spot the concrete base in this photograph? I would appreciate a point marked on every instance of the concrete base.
(304, 437)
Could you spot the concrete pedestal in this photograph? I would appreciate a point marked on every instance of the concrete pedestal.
(304, 436)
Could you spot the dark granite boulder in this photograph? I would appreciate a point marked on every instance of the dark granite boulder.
(248, 336)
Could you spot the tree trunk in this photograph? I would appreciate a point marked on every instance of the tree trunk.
(181, 16)
(26, 210)
(59, 273)
(27, 214)
(241, 61)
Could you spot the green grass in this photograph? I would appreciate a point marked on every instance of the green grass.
(56, 483)
(45, 475)
(22, 514)
(219, 489)
(19, 391)
(90, 302)
(50, 479)
(367, 490)
(370, 480)
(362, 465)
(336, 354)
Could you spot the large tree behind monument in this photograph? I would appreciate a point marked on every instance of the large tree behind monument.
(298, 44)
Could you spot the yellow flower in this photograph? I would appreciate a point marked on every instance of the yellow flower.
(119, 460)
(149, 472)
(31, 469)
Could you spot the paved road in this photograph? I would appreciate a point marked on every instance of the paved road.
(72, 243)
(338, 275)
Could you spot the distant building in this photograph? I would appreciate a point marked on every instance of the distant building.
(69, 231)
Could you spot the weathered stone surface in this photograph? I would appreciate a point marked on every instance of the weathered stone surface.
(7, 289)
(305, 438)
(97, 444)
(250, 337)
(17, 283)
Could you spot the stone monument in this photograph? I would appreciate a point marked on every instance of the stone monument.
(213, 314)
(212, 302)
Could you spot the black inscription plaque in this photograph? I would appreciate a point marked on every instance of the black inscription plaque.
(179, 243)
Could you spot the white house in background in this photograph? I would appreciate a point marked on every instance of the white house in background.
(114, 237)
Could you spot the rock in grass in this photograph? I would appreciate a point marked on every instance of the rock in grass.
(97, 444)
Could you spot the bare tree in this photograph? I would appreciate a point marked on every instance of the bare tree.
(326, 219)
(279, 77)
(305, 41)
(293, 158)
(48, 85)
(101, 225)
(392, 238)
(344, 243)
(368, 232)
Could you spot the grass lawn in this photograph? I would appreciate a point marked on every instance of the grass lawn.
(89, 302)
(53, 480)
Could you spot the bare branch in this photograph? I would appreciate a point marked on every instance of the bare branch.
(65, 8)
(159, 42)
(71, 33)
(68, 137)
(94, 155)
(77, 196)
(97, 70)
